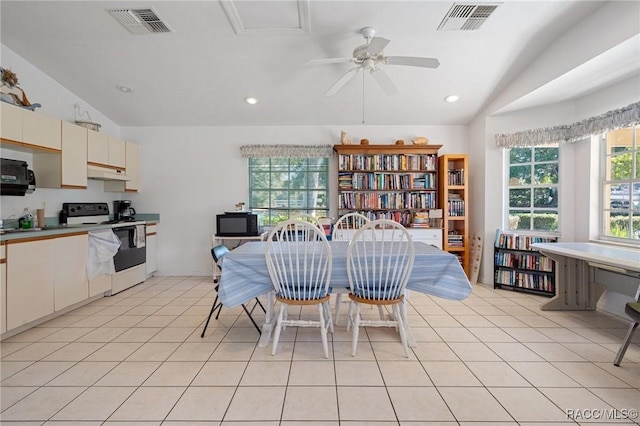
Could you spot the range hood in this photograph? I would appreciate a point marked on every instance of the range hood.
(105, 173)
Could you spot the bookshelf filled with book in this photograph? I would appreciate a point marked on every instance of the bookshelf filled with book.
(516, 265)
(397, 182)
(453, 199)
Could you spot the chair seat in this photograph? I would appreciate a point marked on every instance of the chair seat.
(302, 301)
(372, 301)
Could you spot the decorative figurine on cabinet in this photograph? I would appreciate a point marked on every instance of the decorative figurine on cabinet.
(344, 139)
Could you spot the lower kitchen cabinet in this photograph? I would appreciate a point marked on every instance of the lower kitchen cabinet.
(29, 281)
(45, 275)
(152, 249)
(70, 275)
(99, 285)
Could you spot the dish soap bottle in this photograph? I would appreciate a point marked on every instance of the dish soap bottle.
(26, 220)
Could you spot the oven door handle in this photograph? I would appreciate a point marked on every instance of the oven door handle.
(132, 238)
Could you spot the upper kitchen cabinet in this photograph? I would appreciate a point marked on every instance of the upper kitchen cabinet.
(105, 150)
(68, 170)
(117, 152)
(11, 120)
(97, 148)
(29, 129)
(132, 159)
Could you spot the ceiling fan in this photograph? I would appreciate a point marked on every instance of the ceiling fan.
(369, 57)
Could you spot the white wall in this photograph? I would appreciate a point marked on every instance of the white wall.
(190, 174)
(56, 102)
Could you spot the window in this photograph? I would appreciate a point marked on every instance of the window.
(621, 185)
(282, 188)
(533, 188)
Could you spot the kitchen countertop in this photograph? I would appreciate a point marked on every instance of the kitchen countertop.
(69, 229)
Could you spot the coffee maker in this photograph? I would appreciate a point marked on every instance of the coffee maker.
(122, 210)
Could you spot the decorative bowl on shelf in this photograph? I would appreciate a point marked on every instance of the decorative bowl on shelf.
(89, 125)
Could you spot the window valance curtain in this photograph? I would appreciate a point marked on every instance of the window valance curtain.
(616, 119)
(286, 151)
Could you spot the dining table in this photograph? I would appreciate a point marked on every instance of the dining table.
(245, 276)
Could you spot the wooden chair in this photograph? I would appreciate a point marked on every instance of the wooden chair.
(379, 262)
(343, 230)
(217, 253)
(633, 310)
(299, 261)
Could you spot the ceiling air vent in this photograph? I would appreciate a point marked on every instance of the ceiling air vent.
(465, 16)
(140, 21)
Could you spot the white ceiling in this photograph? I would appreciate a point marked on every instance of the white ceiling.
(199, 73)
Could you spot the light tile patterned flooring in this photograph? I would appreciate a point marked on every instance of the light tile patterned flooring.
(494, 359)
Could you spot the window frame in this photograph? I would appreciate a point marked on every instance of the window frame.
(604, 184)
(532, 186)
(269, 213)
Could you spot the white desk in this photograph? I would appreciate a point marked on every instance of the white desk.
(576, 288)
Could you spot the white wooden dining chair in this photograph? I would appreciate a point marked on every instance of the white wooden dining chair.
(307, 218)
(299, 261)
(343, 230)
(379, 262)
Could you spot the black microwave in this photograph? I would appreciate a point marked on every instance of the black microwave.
(237, 225)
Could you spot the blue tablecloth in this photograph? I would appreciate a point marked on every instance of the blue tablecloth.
(245, 275)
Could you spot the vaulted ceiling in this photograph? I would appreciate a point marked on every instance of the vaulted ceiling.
(214, 54)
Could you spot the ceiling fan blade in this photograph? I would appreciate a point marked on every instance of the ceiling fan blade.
(328, 61)
(342, 81)
(384, 81)
(377, 44)
(412, 61)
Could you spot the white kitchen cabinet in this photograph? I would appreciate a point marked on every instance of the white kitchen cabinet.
(152, 249)
(117, 152)
(99, 285)
(3, 288)
(70, 270)
(97, 148)
(29, 281)
(132, 166)
(132, 161)
(30, 129)
(10, 123)
(41, 131)
(69, 168)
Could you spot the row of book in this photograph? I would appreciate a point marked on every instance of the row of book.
(455, 207)
(374, 162)
(455, 240)
(456, 177)
(396, 200)
(402, 217)
(534, 262)
(523, 280)
(385, 181)
(519, 242)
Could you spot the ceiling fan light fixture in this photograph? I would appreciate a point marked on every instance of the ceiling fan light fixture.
(251, 100)
(451, 98)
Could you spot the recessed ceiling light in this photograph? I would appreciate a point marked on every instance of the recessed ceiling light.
(250, 100)
(451, 98)
(124, 89)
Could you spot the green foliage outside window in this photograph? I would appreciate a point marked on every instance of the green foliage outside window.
(533, 188)
(282, 188)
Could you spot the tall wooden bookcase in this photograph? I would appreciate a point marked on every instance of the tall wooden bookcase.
(387, 181)
(453, 194)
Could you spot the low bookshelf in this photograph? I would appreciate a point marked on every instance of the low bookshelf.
(517, 266)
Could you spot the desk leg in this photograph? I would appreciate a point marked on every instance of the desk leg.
(573, 286)
(269, 321)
